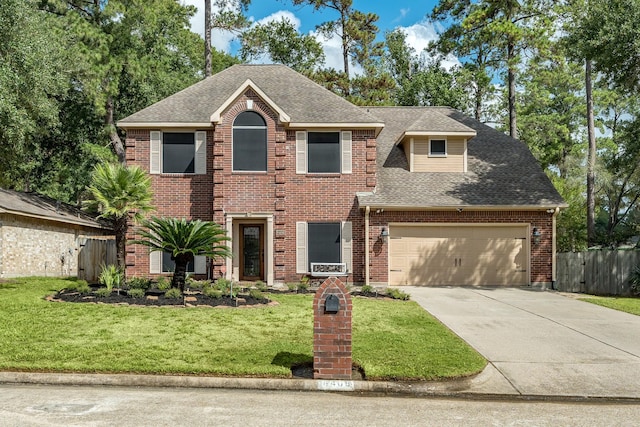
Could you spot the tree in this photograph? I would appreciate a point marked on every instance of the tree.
(230, 17)
(33, 75)
(283, 44)
(496, 32)
(184, 240)
(119, 193)
(128, 54)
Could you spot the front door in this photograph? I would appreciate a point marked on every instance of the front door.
(251, 252)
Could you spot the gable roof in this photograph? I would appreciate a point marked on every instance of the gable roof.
(37, 206)
(298, 100)
(502, 172)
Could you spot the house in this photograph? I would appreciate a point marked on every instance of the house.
(40, 236)
(306, 182)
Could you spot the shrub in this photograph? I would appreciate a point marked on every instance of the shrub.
(634, 280)
(136, 293)
(367, 289)
(173, 293)
(83, 287)
(163, 283)
(396, 293)
(197, 284)
(111, 276)
(256, 294)
(226, 287)
(304, 284)
(143, 283)
(212, 292)
(261, 286)
(292, 286)
(103, 292)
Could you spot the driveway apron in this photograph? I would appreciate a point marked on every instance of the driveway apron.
(541, 343)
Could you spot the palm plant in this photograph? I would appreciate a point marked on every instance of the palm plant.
(119, 192)
(184, 240)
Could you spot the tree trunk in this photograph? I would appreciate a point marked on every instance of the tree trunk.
(116, 141)
(591, 159)
(511, 77)
(120, 225)
(180, 274)
(207, 38)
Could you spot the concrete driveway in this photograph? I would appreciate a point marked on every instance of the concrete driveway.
(541, 343)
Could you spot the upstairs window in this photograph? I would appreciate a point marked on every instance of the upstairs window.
(178, 152)
(249, 143)
(437, 147)
(323, 152)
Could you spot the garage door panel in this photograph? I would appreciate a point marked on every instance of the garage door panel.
(458, 255)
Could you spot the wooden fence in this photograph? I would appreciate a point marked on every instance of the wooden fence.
(603, 272)
(93, 251)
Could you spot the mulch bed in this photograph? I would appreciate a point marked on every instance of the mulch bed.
(156, 298)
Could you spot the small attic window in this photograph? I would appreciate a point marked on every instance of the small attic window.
(437, 147)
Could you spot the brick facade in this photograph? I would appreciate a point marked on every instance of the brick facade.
(280, 197)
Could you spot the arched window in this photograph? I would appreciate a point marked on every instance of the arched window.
(250, 142)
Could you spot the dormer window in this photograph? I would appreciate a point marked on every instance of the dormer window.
(438, 147)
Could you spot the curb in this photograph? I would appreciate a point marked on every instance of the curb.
(460, 389)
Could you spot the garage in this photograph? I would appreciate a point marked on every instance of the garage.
(460, 254)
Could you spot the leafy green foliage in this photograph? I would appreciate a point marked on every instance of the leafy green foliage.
(103, 292)
(163, 283)
(136, 293)
(396, 293)
(183, 240)
(142, 283)
(283, 44)
(118, 192)
(173, 293)
(111, 276)
(212, 292)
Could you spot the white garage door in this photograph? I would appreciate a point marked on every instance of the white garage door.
(458, 255)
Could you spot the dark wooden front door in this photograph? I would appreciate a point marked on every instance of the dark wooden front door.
(251, 252)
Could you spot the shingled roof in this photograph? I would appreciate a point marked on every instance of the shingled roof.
(502, 172)
(303, 100)
(38, 206)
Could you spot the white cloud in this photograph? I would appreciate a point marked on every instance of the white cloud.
(333, 54)
(280, 15)
(420, 35)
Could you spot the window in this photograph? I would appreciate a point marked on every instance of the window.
(323, 152)
(169, 265)
(178, 152)
(323, 242)
(250, 142)
(437, 147)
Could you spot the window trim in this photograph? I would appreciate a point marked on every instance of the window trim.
(302, 245)
(432, 154)
(266, 143)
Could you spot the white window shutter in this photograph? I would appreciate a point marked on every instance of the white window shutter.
(155, 158)
(155, 262)
(301, 248)
(346, 152)
(200, 264)
(347, 244)
(301, 152)
(201, 153)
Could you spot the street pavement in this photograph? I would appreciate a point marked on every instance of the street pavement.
(541, 343)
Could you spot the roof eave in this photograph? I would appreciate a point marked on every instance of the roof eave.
(550, 208)
(163, 125)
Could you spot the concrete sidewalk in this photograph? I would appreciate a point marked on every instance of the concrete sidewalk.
(541, 343)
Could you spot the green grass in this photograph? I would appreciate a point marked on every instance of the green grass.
(391, 339)
(630, 305)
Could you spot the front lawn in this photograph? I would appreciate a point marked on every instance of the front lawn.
(630, 305)
(391, 339)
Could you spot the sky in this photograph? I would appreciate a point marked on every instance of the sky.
(410, 15)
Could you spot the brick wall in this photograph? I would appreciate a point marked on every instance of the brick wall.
(35, 247)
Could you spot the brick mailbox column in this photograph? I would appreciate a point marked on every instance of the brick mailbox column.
(332, 331)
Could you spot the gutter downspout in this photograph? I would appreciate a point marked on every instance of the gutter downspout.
(367, 209)
(553, 248)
